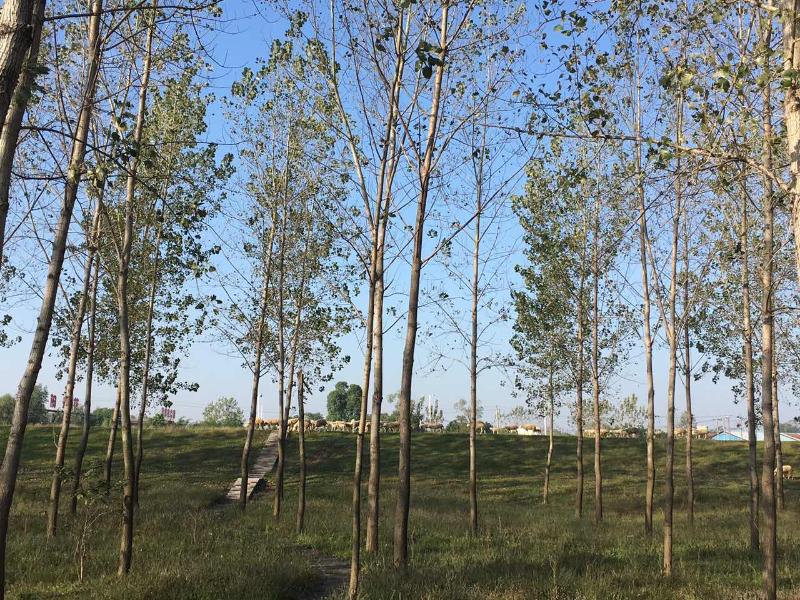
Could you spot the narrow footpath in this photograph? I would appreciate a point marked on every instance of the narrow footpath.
(263, 465)
(334, 572)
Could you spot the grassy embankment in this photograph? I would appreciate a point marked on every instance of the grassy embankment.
(185, 548)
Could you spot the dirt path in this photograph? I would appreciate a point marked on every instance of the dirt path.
(335, 574)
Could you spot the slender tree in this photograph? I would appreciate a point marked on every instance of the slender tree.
(768, 523)
(687, 373)
(595, 363)
(11, 127)
(402, 505)
(257, 367)
(20, 26)
(301, 446)
(550, 426)
(747, 349)
(75, 343)
(123, 303)
(10, 466)
(87, 395)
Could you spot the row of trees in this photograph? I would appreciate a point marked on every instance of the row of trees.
(105, 107)
(680, 175)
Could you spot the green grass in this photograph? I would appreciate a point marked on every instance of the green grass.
(185, 548)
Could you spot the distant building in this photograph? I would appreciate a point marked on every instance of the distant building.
(740, 435)
(735, 436)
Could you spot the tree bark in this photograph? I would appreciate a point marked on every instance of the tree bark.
(404, 405)
(251, 423)
(13, 123)
(111, 445)
(373, 486)
(777, 423)
(128, 490)
(790, 14)
(10, 466)
(550, 419)
(579, 401)
(383, 200)
(647, 336)
(355, 540)
(283, 417)
(298, 322)
(687, 378)
(301, 440)
(137, 468)
(598, 470)
(295, 344)
(20, 22)
(473, 374)
(747, 334)
(768, 525)
(769, 540)
(282, 432)
(72, 367)
(87, 396)
(672, 335)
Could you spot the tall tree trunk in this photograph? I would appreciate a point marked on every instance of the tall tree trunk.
(550, 419)
(298, 324)
(598, 472)
(473, 374)
(251, 422)
(301, 441)
(473, 350)
(10, 466)
(112, 442)
(647, 336)
(20, 23)
(672, 335)
(389, 162)
(768, 526)
(404, 405)
(72, 367)
(283, 417)
(128, 490)
(747, 334)
(295, 344)
(790, 14)
(16, 111)
(687, 377)
(579, 402)
(137, 468)
(282, 432)
(769, 540)
(373, 487)
(355, 539)
(126, 540)
(87, 396)
(777, 424)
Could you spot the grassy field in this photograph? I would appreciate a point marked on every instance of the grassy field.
(185, 547)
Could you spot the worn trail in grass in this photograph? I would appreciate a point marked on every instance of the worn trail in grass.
(524, 550)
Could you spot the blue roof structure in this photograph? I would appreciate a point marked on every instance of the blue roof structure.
(740, 435)
(728, 436)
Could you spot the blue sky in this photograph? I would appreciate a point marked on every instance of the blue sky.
(248, 34)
